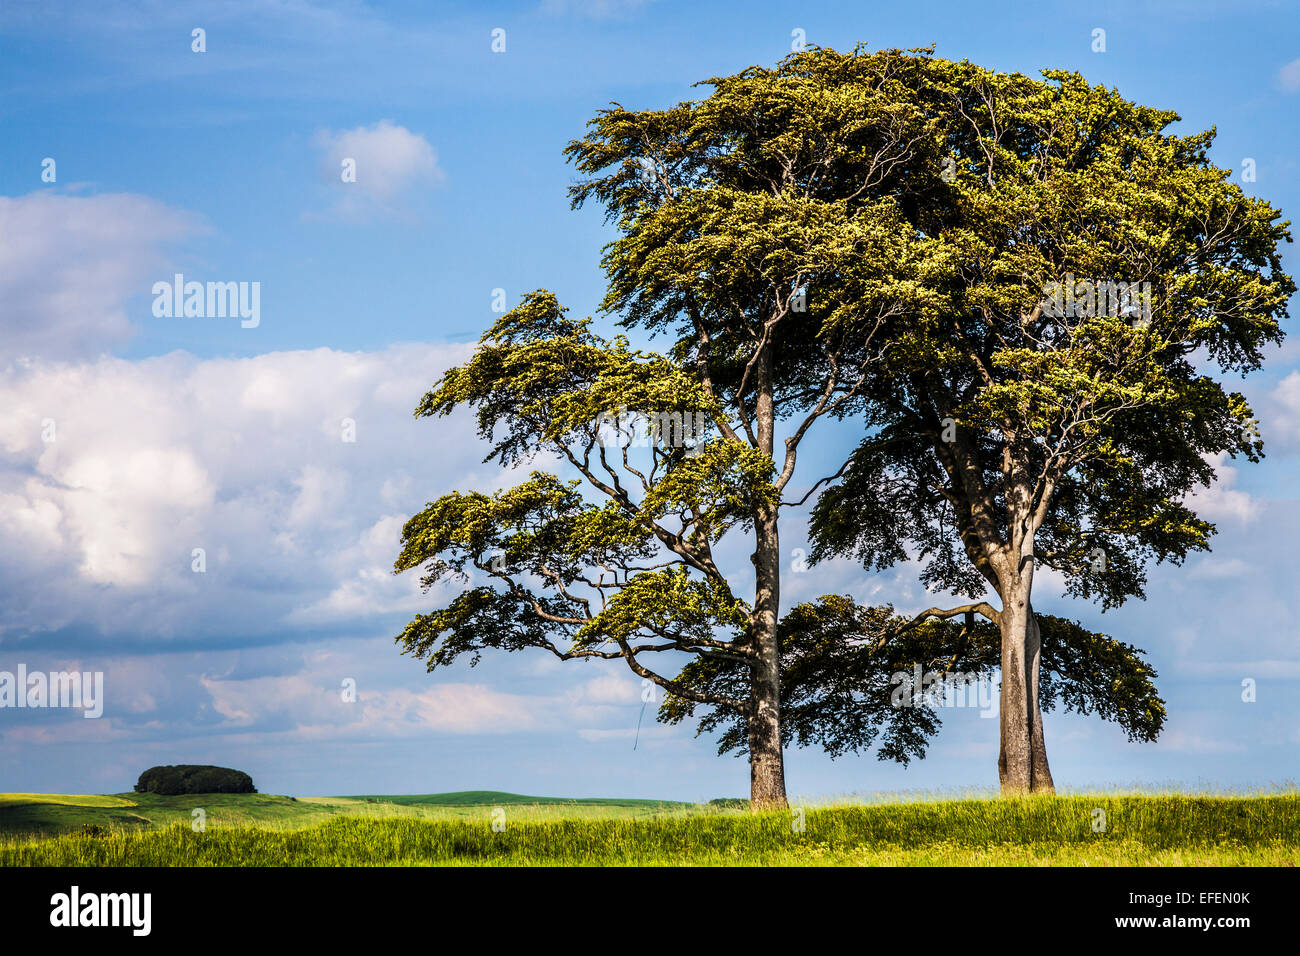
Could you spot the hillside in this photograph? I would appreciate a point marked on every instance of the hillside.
(45, 814)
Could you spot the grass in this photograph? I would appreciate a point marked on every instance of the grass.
(446, 829)
(481, 798)
(64, 799)
(35, 815)
(474, 804)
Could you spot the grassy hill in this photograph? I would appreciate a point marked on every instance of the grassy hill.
(480, 798)
(25, 815)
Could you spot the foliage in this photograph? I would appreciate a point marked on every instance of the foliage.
(847, 679)
(193, 778)
(1000, 428)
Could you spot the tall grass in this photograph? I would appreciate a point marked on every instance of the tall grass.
(1138, 829)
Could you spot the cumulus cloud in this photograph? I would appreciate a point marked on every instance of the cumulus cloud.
(386, 161)
(68, 265)
(1283, 416)
(1222, 500)
(113, 473)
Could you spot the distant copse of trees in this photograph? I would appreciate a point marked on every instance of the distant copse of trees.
(193, 778)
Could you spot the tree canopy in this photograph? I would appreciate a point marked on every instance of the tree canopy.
(193, 778)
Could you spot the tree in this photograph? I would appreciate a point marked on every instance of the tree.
(761, 229)
(193, 778)
(1059, 403)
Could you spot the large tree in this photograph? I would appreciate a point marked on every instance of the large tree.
(1060, 402)
(760, 229)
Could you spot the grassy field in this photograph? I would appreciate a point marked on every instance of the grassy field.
(455, 829)
(26, 815)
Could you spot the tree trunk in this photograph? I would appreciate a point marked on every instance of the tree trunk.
(766, 760)
(1041, 773)
(1022, 761)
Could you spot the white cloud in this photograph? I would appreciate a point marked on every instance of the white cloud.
(309, 702)
(366, 584)
(453, 708)
(1221, 500)
(69, 263)
(613, 688)
(313, 703)
(1288, 77)
(244, 458)
(1284, 405)
(388, 162)
(1217, 569)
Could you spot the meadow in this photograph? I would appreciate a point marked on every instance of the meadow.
(457, 829)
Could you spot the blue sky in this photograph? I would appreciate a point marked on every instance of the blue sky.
(174, 433)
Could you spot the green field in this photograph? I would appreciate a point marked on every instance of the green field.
(455, 829)
(28, 815)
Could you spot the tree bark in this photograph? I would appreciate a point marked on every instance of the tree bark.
(766, 760)
(1041, 774)
(1022, 760)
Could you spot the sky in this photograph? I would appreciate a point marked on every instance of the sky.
(136, 447)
